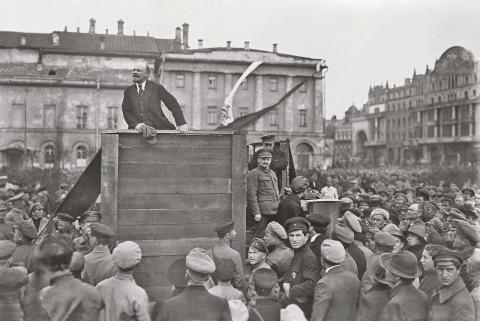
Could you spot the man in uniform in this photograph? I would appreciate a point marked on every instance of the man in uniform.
(82, 243)
(336, 294)
(99, 263)
(279, 158)
(280, 256)
(222, 250)
(6, 228)
(262, 192)
(17, 213)
(195, 303)
(304, 271)
(65, 225)
(466, 238)
(141, 104)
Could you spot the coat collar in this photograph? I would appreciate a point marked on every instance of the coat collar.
(335, 269)
(401, 288)
(445, 293)
(195, 287)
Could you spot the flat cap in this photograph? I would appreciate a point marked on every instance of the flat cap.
(376, 198)
(346, 200)
(65, 217)
(297, 223)
(395, 231)
(268, 137)
(198, 261)
(90, 217)
(380, 211)
(225, 270)
(259, 245)
(101, 229)
(467, 230)
(176, 273)
(445, 254)
(265, 152)
(264, 278)
(318, 220)
(225, 227)
(28, 229)
(352, 222)
(78, 262)
(7, 248)
(342, 233)
(468, 191)
(333, 251)
(16, 197)
(299, 184)
(417, 229)
(276, 229)
(384, 239)
(127, 255)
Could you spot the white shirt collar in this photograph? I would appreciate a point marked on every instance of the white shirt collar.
(142, 84)
(328, 269)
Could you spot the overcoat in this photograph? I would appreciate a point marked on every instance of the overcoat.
(452, 303)
(406, 303)
(262, 192)
(99, 265)
(372, 302)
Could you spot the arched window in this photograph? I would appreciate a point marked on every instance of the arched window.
(49, 156)
(81, 156)
(304, 155)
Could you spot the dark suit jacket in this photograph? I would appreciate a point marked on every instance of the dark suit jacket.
(153, 96)
(195, 303)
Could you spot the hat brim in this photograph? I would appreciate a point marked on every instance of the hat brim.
(385, 262)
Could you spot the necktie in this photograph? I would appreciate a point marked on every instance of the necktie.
(140, 90)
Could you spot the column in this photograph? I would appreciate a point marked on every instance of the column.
(197, 101)
(289, 108)
(228, 84)
(259, 101)
(318, 106)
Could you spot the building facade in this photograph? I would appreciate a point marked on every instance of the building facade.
(431, 118)
(61, 89)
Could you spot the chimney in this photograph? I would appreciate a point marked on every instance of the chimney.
(55, 39)
(247, 45)
(275, 48)
(91, 29)
(185, 35)
(120, 27)
(106, 31)
(200, 43)
(229, 44)
(178, 35)
(65, 30)
(102, 42)
(78, 29)
(148, 34)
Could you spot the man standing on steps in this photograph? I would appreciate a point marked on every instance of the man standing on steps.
(141, 105)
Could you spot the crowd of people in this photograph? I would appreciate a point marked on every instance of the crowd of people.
(398, 248)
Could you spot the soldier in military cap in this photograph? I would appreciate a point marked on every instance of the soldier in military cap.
(262, 193)
(468, 194)
(6, 228)
(266, 307)
(82, 243)
(64, 224)
(99, 263)
(279, 256)
(279, 158)
(25, 233)
(39, 218)
(18, 212)
(222, 250)
(304, 271)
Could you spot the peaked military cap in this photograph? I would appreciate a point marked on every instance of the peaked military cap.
(102, 230)
(225, 227)
(318, 220)
(16, 197)
(297, 223)
(265, 152)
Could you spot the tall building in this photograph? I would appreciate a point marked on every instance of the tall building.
(431, 118)
(61, 89)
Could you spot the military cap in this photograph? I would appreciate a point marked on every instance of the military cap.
(225, 228)
(348, 194)
(225, 270)
(36, 206)
(380, 211)
(28, 229)
(318, 220)
(176, 273)
(127, 255)
(7, 248)
(445, 254)
(467, 230)
(16, 197)
(342, 233)
(297, 223)
(384, 239)
(78, 262)
(259, 245)
(346, 200)
(333, 251)
(382, 191)
(277, 230)
(299, 184)
(446, 199)
(102, 230)
(376, 198)
(265, 279)
(468, 191)
(403, 264)
(395, 231)
(267, 137)
(265, 152)
(90, 217)
(417, 229)
(352, 222)
(364, 196)
(65, 217)
(363, 201)
(198, 261)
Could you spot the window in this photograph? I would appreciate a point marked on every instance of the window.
(212, 82)
(273, 84)
(18, 115)
(431, 131)
(112, 117)
(244, 84)
(81, 117)
(180, 81)
(242, 111)
(49, 116)
(303, 118)
(439, 99)
(433, 100)
(304, 155)
(447, 113)
(49, 157)
(81, 156)
(274, 117)
(212, 115)
(465, 94)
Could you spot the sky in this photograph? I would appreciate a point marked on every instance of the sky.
(364, 42)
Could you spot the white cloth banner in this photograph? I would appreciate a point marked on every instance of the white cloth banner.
(226, 115)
